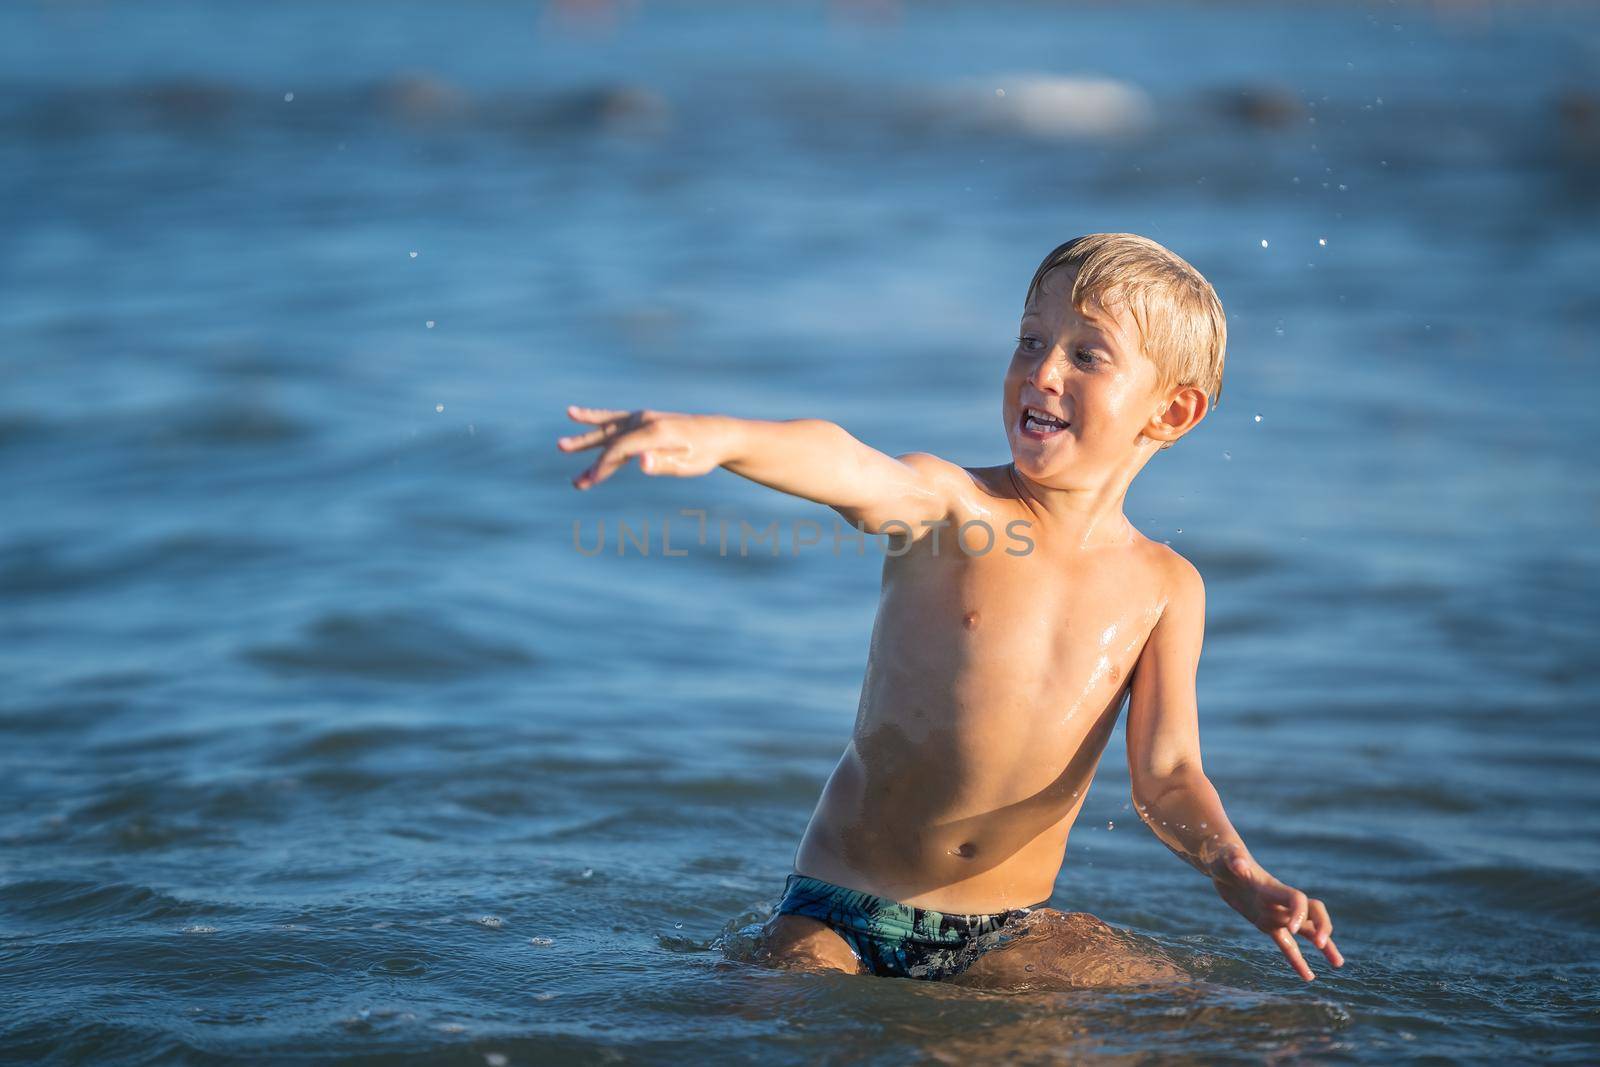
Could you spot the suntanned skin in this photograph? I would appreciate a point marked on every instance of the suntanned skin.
(995, 678)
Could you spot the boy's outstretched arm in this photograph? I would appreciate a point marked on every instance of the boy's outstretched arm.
(1175, 798)
(808, 458)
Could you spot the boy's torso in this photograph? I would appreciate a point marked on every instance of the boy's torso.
(992, 685)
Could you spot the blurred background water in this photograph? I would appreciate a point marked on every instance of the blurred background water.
(320, 741)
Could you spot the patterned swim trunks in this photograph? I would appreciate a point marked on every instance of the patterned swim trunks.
(896, 940)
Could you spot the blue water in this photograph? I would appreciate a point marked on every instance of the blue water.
(320, 741)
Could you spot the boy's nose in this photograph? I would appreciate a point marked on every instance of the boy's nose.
(1046, 377)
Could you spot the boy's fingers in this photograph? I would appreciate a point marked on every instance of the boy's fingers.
(1299, 905)
(618, 452)
(1291, 952)
(598, 471)
(1321, 923)
(578, 414)
(580, 441)
(1331, 951)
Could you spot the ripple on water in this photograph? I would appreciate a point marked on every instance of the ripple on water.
(1545, 893)
(52, 567)
(57, 716)
(341, 742)
(51, 900)
(397, 645)
(399, 967)
(228, 425)
(1418, 796)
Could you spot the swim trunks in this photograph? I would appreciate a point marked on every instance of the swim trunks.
(896, 940)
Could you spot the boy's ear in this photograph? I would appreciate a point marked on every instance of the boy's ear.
(1185, 407)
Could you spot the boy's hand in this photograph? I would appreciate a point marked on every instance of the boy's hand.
(665, 442)
(1278, 910)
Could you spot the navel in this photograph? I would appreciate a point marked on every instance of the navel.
(970, 620)
(966, 850)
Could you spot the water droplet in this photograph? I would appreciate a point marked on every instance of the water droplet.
(1323, 241)
(1110, 825)
(541, 942)
(1258, 418)
(588, 872)
(413, 255)
(288, 98)
(677, 926)
(1278, 329)
(1227, 455)
(496, 1059)
(997, 92)
(1263, 242)
(493, 922)
(544, 996)
(1029, 967)
(1179, 530)
(439, 408)
(430, 324)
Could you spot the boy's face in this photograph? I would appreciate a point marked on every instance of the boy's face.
(1089, 374)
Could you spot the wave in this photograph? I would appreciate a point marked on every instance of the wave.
(398, 645)
(1555, 894)
(64, 900)
(40, 567)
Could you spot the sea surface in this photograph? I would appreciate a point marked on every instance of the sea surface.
(320, 741)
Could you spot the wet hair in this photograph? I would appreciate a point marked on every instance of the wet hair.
(1181, 325)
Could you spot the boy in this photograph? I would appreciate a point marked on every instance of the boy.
(995, 677)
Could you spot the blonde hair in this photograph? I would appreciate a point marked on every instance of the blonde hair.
(1181, 325)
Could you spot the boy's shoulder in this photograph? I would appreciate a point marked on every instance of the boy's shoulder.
(1176, 580)
(926, 463)
(1182, 588)
(967, 486)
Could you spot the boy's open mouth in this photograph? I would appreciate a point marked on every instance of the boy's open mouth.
(1040, 424)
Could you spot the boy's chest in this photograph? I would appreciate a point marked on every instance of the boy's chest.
(1030, 621)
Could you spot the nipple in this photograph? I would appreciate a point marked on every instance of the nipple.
(970, 620)
(966, 850)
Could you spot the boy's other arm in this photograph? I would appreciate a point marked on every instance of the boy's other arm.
(809, 458)
(1175, 798)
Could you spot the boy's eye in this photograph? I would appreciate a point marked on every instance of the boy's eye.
(1028, 342)
(1086, 357)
